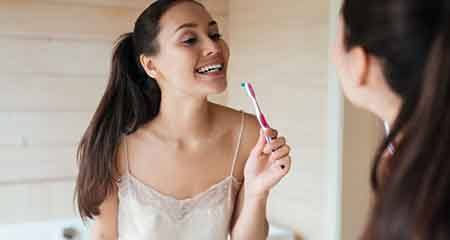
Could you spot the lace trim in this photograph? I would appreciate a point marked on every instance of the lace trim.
(131, 188)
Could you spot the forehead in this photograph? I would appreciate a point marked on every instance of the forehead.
(184, 12)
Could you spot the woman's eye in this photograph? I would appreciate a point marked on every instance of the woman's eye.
(190, 41)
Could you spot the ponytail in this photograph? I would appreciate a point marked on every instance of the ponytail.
(415, 201)
(131, 99)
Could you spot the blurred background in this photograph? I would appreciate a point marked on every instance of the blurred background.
(54, 64)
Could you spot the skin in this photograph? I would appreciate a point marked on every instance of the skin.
(363, 81)
(194, 139)
(365, 86)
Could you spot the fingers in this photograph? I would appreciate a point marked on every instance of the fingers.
(280, 153)
(274, 145)
(259, 147)
(276, 142)
(281, 158)
(271, 133)
(277, 171)
(261, 143)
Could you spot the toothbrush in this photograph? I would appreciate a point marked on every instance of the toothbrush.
(259, 115)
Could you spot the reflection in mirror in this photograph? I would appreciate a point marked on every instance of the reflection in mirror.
(55, 60)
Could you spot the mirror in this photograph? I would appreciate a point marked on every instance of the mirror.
(54, 67)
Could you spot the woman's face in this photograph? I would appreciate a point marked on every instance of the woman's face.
(362, 78)
(192, 58)
(342, 62)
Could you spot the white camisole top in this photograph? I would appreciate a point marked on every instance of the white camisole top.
(146, 214)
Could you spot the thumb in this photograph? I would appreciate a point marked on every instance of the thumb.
(259, 147)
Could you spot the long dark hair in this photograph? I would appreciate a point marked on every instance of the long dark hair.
(131, 99)
(412, 40)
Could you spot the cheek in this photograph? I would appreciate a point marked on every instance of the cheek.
(344, 80)
(345, 87)
(225, 50)
(180, 63)
(348, 88)
(338, 59)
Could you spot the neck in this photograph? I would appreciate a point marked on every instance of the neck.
(388, 108)
(183, 118)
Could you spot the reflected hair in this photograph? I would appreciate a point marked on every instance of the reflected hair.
(412, 40)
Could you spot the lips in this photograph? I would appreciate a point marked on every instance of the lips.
(210, 68)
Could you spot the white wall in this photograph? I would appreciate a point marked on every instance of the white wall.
(282, 48)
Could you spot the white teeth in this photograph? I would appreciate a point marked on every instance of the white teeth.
(210, 68)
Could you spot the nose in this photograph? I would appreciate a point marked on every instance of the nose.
(211, 48)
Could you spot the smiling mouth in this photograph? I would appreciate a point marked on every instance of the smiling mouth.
(214, 68)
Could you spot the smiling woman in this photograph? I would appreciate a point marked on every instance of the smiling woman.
(54, 61)
(158, 160)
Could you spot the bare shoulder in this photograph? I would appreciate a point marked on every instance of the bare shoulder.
(249, 138)
(251, 133)
(232, 118)
(105, 224)
(126, 149)
(122, 152)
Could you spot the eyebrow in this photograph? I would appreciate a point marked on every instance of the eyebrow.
(193, 25)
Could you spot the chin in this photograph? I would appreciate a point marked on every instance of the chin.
(212, 85)
(217, 87)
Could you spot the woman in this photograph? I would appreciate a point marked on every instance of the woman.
(158, 161)
(394, 60)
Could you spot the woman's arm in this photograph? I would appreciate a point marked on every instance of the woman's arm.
(249, 221)
(267, 164)
(105, 224)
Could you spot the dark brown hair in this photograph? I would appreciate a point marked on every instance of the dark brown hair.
(412, 40)
(131, 99)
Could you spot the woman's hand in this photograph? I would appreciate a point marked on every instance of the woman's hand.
(267, 164)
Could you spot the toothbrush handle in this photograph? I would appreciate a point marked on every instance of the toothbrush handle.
(268, 139)
(264, 125)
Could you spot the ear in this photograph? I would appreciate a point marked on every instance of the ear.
(149, 66)
(358, 66)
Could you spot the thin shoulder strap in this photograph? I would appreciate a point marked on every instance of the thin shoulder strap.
(127, 159)
(236, 153)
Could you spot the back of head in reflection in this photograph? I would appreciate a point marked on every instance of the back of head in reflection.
(393, 58)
